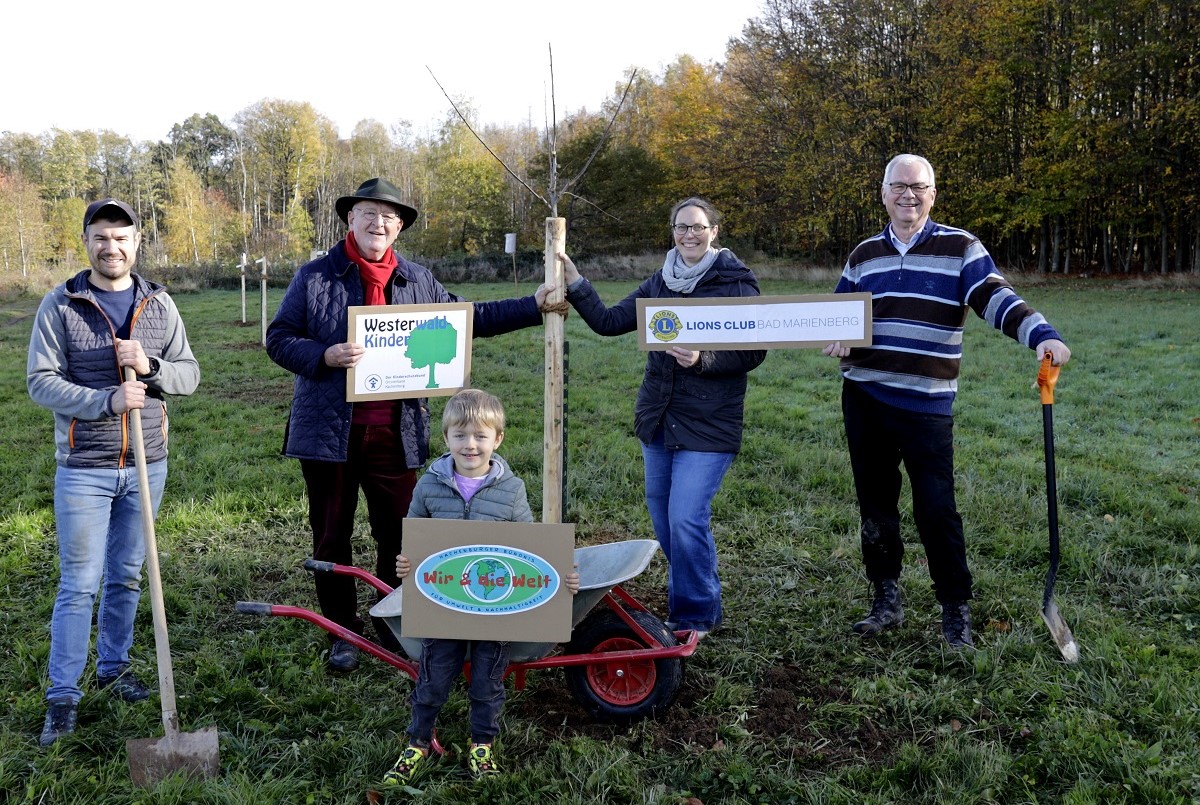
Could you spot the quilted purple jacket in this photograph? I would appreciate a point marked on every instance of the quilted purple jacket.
(312, 317)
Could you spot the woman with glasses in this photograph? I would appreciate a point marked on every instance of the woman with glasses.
(688, 414)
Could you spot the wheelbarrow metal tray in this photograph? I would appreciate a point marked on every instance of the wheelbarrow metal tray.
(601, 567)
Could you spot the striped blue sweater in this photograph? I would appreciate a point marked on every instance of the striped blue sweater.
(919, 306)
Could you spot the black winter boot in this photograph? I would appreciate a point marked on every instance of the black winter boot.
(886, 611)
(956, 624)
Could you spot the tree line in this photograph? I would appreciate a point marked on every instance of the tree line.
(1065, 133)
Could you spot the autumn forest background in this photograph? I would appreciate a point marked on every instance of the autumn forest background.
(1065, 133)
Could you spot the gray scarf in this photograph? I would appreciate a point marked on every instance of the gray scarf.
(682, 278)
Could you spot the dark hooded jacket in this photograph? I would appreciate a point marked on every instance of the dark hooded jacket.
(699, 408)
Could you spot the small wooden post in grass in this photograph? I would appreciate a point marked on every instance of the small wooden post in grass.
(552, 481)
(242, 270)
(263, 311)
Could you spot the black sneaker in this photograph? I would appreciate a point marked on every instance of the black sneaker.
(343, 656)
(125, 686)
(956, 624)
(60, 720)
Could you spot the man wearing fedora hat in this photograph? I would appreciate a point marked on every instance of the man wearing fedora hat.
(376, 446)
(87, 330)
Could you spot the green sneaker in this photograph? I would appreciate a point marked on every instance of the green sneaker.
(407, 767)
(481, 761)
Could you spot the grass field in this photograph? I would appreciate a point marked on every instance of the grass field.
(783, 704)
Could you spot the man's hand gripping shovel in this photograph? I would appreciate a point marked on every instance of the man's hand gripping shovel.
(1047, 379)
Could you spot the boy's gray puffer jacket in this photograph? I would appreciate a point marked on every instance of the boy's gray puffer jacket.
(502, 496)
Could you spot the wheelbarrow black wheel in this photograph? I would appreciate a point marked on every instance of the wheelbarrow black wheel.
(623, 691)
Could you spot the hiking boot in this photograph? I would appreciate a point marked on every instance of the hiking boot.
(481, 761)
(407, 767)
(125, 686)
(60, 720)
(343, 656)
(956, 624)
(886, 611)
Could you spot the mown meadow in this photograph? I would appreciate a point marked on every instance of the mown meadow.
(783, 704)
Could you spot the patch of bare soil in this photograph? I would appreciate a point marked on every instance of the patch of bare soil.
(786, 713)
(262, 391)
(788, 703)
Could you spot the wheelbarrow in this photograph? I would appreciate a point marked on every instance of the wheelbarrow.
(622, 663)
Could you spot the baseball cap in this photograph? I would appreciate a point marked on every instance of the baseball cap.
(96, 207)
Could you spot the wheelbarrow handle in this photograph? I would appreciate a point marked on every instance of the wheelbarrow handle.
(1047, 379)
(252, 608)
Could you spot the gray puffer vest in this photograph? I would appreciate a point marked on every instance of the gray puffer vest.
(105, 442)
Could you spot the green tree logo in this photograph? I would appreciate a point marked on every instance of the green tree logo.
(432, 342)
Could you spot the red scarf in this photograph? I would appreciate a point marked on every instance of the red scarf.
(374, 276)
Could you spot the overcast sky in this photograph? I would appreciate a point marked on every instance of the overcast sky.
(137, 67)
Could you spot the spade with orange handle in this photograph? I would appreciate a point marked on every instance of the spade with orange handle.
(1047, 379)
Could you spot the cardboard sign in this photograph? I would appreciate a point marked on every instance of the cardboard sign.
(411, 350)
(755, 322)
(484, 580)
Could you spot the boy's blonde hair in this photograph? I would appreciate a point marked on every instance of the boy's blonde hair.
(473, 407)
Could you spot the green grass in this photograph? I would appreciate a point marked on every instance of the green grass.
(782, 705)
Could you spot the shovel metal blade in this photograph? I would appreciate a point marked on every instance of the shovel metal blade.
(193, 754)
(1060, 632)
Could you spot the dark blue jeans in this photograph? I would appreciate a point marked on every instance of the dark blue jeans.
(880, 437)
(440, 665)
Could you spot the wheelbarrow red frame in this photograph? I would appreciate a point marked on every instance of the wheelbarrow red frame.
(622, 673)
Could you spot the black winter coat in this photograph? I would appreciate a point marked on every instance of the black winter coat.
(699, 408)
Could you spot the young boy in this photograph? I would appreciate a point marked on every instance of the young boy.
(470, 482)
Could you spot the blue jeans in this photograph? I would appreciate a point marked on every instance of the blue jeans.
(440, 665)
(98, 516)
(680, 486)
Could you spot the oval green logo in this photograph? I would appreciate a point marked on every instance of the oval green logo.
(486, 579)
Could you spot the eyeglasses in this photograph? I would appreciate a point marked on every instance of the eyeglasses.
(371, 215)
(695, 229)
(898, 188)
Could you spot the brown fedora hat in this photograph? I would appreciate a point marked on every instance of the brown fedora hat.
(376, 190)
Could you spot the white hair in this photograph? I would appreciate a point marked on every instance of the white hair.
(907, 159)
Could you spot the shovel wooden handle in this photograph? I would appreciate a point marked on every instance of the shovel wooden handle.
(162, 646)
(1047, 379)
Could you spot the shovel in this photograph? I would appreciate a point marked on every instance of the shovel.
(192, 753)
(1047, 378)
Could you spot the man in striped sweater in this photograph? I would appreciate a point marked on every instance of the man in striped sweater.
(897, 394)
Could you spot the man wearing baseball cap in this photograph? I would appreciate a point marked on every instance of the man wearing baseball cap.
(378, 445)
(86, 332)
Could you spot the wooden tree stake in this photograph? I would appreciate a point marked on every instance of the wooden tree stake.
(552, 467)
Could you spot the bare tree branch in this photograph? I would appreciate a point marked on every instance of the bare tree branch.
(603, 137)
(600, 210)
(554, 192)
(463, 118)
